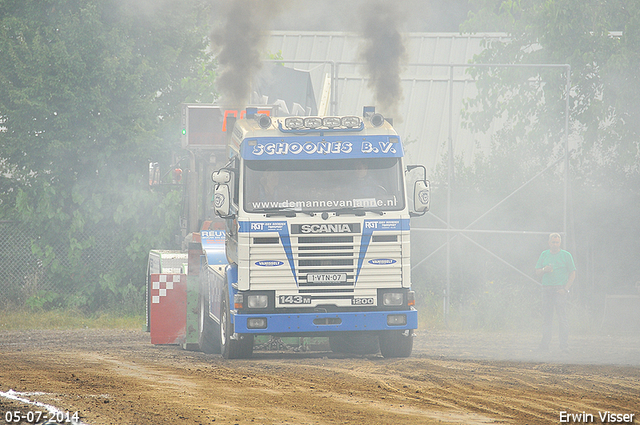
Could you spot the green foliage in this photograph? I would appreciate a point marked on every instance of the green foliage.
(89, 94)
(25, 319)
(605, 89)
(276, 57)
(601, 42)
(44, 300)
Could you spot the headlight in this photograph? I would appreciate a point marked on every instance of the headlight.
(393, 298)
(257, 301)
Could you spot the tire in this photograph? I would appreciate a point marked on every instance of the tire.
(208, 341)
(396, 344)
(241, 348)
(359, 343)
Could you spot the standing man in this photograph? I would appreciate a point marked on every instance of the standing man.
(558, 271)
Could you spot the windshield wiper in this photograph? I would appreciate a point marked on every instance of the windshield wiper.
(358, 211)
(274, 212)
(286, 212)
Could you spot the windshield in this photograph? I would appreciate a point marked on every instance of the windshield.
(327, 185)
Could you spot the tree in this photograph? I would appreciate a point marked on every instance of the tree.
(89, 93)
(600, 40)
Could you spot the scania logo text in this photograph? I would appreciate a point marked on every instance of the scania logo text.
(326, 228)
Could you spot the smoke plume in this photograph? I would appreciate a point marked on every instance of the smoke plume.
(238, 42)
(384, 53)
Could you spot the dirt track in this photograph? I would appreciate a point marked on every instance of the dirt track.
(118, 377)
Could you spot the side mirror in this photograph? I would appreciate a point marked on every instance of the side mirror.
(421, 196)
(222, 201)
(222, 176)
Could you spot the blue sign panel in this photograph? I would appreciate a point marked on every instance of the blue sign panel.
(319, 147)
(371, 226)
(213, 245)
(272, 226)
(263, 226)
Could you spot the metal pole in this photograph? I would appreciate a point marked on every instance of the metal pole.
(334, 88)
(447, 296)
(192, 215)
(490, 232)
(566, 152)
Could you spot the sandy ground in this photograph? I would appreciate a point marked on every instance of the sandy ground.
(117, 377)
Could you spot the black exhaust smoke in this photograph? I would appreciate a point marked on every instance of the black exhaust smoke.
(384, 53)
(238, 41)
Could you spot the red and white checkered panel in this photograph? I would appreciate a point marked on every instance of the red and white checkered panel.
(168, 311)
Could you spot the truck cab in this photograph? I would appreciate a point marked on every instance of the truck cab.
(317, 223)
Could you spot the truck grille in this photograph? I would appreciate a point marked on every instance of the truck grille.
(324, 262)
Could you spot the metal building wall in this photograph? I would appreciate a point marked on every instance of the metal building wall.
(424, 110)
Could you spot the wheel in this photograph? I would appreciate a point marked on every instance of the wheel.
(208, 341)
(241, 348)
(396, 343)
(360, 343)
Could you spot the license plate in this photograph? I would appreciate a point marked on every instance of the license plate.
(294, 299)
(327, 278)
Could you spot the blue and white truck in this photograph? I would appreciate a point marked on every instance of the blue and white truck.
(316, 237)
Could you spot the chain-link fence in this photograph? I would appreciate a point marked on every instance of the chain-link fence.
(34, 277)
(22, 273)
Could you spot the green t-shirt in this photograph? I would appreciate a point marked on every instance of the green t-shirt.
(562, 263)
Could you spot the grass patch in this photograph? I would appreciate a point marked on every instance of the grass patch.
(18, 320)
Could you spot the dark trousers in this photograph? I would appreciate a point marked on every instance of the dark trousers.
(554, 301)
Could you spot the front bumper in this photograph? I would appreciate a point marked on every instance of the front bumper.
(325, 322)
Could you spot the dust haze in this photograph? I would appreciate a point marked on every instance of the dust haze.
(239, 39)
